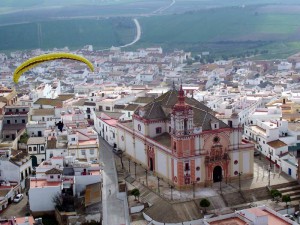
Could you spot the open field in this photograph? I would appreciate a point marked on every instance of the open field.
(72, 33)
(261, 27)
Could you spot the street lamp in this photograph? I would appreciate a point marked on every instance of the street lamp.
(135, 169)
(270, 167)
(158, 184)
(171, 186)
(240, 174)
(129, 165)
(221, 176)
(146, 172)
(193, 183)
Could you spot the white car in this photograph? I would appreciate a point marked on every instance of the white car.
(18, 198)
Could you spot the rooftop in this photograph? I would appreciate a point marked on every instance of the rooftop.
(39, 183)
(277, 144)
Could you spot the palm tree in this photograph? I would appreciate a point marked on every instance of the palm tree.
(204, 203)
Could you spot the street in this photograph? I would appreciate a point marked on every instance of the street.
(16, 209)
(113, 208)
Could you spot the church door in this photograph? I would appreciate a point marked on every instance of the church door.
(217, 174)
(34, 160)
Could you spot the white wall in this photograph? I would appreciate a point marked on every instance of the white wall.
(140, 152)
(40, 199)
(161, 163)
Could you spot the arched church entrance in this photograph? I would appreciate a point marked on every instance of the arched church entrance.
(217, 174)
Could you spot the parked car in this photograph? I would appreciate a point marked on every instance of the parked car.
(296, 214)
(18, 198)
(291, 217)
(117, 151)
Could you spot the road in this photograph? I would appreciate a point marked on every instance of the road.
(113, 208)
(16, 209)
(137, 36)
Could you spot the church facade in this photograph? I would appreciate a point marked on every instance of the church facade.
(181, 141)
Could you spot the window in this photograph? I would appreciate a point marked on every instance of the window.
(169, 129)
(23, 121)
(128, 114)
(236, 162)
(23, 110)
(42, 148)
(158, 130)
(198, 168)
(187, 166)
(216, 139)
(34, 148)
(58, 176)
(51, 177)
(215, 126)
(6, 136)
(92, 151)
(72, 139)
(30, 149)
(174, 146)
(139, 127)
(16, 121)
(8, 121)
(107, 108)
(82, 152)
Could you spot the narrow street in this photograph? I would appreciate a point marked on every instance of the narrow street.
(113, 208)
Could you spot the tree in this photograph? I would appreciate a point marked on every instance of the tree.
(135, 192)
(204, 203)
(276, 195)
(286, 199)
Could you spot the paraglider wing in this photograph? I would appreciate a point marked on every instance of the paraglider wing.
(47, 57)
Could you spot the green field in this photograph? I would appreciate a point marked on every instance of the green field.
(72, 33)
(228, 28)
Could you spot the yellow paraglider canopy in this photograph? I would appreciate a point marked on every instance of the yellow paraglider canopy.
(30, 63)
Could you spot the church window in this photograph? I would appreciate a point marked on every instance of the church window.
(216, 139)
(174, 146)
(198, 168)
(139, 127)
(169, 129)
(34, 148)
(158, 130)
(198, 179)
(236, 162)
(30, 149)
(215, 126)
(185, 126)
(236, 172)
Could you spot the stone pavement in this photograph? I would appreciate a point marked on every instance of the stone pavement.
(171, 205)
(260, 179)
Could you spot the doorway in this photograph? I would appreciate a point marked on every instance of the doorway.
(151, 164)
(217, 174)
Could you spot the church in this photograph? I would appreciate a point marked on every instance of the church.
(180, 140)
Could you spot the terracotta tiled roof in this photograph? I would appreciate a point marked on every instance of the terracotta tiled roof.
(48, 101)
(36, 140)
(42, 112)
(277, 144)
(132, 107)
(65, 97)
(162, 106)
(53, 171)
(144, 99)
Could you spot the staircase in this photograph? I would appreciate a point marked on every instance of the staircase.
(293, 190)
